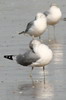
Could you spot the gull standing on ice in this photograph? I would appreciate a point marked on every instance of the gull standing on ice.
(37, 27)
(39, 55)
(53, 15)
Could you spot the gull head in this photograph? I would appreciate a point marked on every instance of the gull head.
(53, 4)
(34, 43)
(40, 15)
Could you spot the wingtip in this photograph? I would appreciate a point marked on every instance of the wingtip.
(21, 32)
(10, 57)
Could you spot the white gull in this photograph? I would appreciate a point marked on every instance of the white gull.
(39, 55)
(53, 15)
(36, 27)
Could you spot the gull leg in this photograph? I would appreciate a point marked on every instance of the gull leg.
(39, 37)
(33, 37)
(31, 72)
(49, 35)
(32, 77)
(44, 73)
(54, 33)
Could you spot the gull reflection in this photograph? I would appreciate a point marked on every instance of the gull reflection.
(38, 91)
(58, 52)
(41, 92)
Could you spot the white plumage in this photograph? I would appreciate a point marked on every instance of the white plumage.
(53, 15)
(37, 27)
(43, 51)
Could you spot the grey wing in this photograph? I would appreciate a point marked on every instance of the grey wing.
(29, 25)
(46, 13)
(26, 59)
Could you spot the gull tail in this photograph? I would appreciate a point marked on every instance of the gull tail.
(64, 19)
(23, 32)
(10, 57)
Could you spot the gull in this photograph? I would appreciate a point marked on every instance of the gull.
(39, 55)
(36, 27)
(53, 15)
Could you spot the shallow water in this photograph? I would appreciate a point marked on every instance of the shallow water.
(15, 83)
